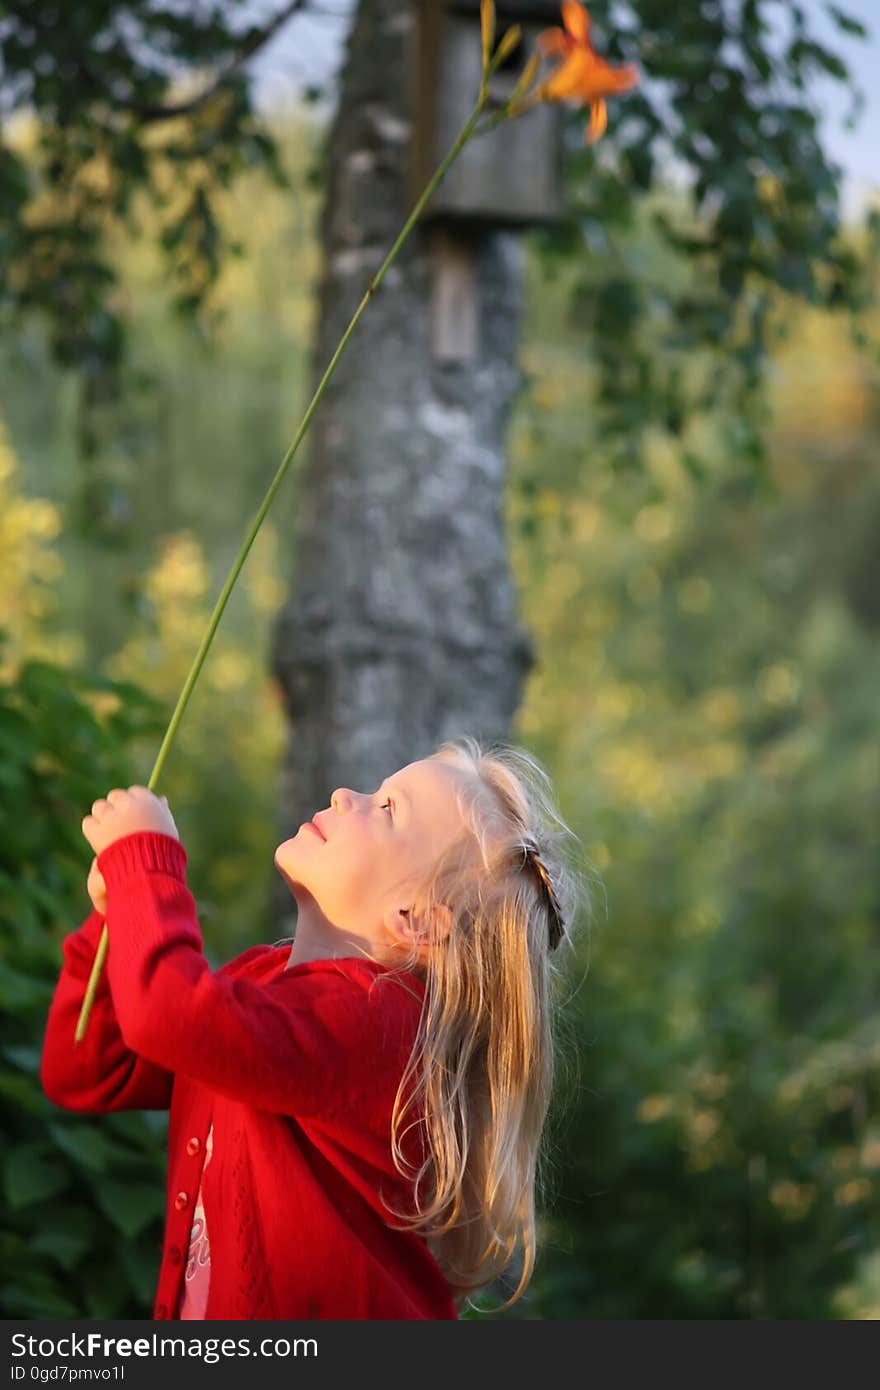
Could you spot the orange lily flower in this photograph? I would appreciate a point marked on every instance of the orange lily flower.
(582, 74)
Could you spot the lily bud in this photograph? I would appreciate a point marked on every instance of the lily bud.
(487, 28)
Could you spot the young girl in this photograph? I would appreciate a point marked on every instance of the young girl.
(355, 1123)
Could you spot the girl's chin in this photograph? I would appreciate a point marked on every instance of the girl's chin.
(292, 884)
(285, 852)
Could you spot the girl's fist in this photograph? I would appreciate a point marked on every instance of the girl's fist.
(122, 813)
(97, 889)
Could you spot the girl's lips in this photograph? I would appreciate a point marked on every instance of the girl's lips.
(312, 826)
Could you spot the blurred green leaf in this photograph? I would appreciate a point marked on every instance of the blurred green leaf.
(29, 1175)
(130, 1206)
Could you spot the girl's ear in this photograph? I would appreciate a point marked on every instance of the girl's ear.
(443, 921)
(408, 926)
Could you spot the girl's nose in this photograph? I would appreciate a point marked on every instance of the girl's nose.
(341, 799)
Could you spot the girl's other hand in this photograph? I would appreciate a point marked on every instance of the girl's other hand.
(123, 813)
(97, 889)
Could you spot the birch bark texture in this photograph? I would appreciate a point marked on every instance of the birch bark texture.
(400, 627)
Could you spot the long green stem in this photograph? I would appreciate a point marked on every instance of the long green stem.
(466, 132)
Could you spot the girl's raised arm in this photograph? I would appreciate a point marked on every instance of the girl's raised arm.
(100, 1073)
(317, 1040)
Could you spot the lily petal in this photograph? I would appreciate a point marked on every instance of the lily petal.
(576, 21)
(620, 79)
(552, 41)
(598, 121)
(598, 80)
(569, 79)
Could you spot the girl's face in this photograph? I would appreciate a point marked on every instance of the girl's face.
(357, 874)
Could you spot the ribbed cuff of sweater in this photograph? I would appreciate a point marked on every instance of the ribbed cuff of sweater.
(144, 852)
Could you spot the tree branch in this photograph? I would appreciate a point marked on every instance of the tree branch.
(148, 113)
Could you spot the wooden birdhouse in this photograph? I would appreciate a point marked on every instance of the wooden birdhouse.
(509, 178)
(512, 176)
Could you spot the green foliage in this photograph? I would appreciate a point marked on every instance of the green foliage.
(103, 81)
(756, 210)
(707, 703)
(717, 102)
(82, 1199)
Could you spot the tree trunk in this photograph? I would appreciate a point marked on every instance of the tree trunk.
(401, 628)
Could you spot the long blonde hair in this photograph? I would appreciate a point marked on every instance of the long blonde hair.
(482, 1070)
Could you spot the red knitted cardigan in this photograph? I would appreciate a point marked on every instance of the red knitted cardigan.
(296, 1068)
